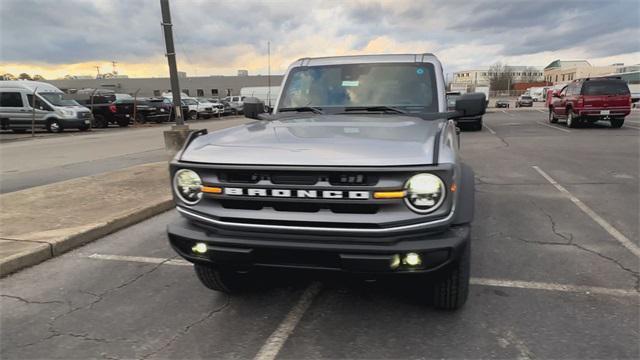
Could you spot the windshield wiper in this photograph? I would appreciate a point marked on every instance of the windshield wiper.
(312, 109)
(388, 109)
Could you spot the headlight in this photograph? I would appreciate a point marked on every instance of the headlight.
(425, 193)
(188, 186)
(66, 113)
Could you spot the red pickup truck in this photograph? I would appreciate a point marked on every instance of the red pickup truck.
(590, 100)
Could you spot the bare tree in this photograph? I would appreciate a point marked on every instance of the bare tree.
(500, 76)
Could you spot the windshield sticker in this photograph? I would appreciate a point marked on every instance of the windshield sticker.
(350, 83)
(419, 71)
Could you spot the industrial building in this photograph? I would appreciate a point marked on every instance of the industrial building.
(198, 86)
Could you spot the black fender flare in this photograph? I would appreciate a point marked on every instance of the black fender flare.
(465, 202)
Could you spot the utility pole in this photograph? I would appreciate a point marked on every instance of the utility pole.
(175, 138)
(113, 66)
(171, 58)
(269, 73)
(97, 69)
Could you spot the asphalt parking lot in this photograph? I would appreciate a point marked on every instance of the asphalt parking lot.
(555, 274)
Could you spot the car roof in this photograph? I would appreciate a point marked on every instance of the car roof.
(363, 59)
(29, 85)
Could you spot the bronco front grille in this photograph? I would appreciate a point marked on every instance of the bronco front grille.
(313, 198)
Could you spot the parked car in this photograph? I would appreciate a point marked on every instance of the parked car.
(396, 202)
(53, 111)
(524, 101)
(502, 103)
(236, 104)
(590, 100)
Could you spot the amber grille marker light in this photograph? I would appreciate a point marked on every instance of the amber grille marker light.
(389, 194)
(211, 190)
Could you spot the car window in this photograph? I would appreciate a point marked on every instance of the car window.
(11, 99)
(605, 87)
(354, 85)
(39, 103)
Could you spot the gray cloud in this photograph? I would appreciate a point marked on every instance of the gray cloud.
(69, 31)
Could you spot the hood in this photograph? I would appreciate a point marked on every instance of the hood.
(321, 140)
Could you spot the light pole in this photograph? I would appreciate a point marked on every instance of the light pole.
(175, 138)
(171, 58)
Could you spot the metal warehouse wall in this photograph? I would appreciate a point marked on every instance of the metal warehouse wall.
(154, 86)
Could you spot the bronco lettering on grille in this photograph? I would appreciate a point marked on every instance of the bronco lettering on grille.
(301, 194)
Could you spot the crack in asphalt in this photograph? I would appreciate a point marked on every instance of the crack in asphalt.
(98, 298)
(569, 241)
(188, 328)
(27, 301)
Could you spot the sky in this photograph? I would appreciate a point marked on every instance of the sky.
(54, 38)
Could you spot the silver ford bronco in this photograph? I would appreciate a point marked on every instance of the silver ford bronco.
(355, 170)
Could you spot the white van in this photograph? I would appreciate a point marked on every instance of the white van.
(52, 111)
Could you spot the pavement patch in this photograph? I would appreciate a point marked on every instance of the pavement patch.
(52, 219)
(635, 250)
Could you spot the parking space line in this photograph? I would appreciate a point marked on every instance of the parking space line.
(553, 287)
(504, 111)
(140, 259)
(542, 111)
(593, 215)
(632, 127)
(553, 127)
(276, 340)
(517, 284)
(488, 128)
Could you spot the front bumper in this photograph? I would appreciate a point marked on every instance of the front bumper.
(469, 120)
(255, 249)
(75, 123)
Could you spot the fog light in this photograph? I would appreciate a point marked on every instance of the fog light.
(395, 262)
(412, 259)
(199, 248)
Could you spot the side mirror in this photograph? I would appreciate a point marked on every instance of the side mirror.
(253, 107)
(473, 104)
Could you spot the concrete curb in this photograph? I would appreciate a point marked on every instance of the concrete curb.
(42, 251)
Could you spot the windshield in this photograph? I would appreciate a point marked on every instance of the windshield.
(526, 97)
(57, 99)
(190, 102)
(406, 85)
(605, 87)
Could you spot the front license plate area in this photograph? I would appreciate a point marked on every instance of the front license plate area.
(605, 112)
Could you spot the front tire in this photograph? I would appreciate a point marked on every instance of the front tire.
(223, 280)
(193, 115)
(617, 123)
(54, 126)
(572, 120)
(451, 291)
(552, 117)
(99, 122)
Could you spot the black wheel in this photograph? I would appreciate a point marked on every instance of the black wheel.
(617, 123)
(54, 126)
(223, 280)
(572, 119)
(19, 131)
(99, 122)
(451, 291)
(140, 118)
(192, 115)
(552, 116)
(123, 122)
(83, 128)
(477, 126)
